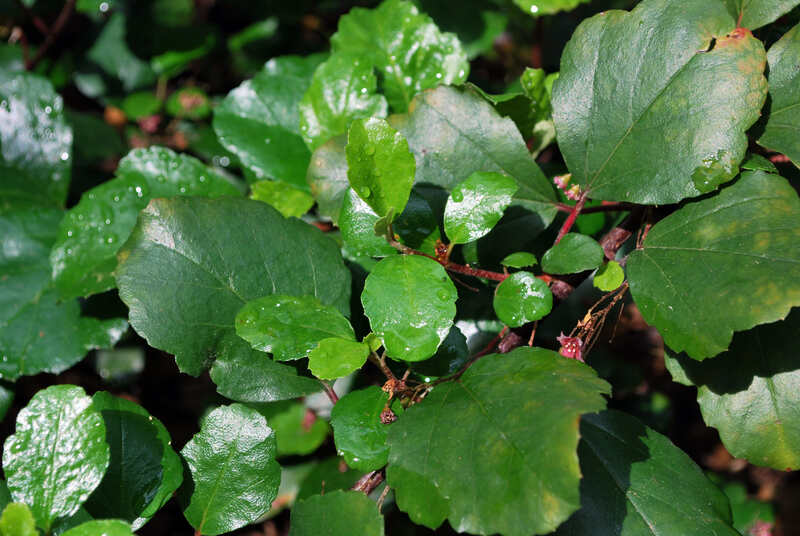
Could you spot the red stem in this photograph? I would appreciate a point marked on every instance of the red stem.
(573, 215)
(58, 26)
(334, 398)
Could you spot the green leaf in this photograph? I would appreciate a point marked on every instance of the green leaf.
(6, 400)
(328, 475)
(112, 54)
(609, 277)
(144, 470)
(756, 162)
(259, 120)
(405, 46)
(521, 298)
(359, 434)
(342, 89)
(297, 429)
(195, 262)
(58, 454)
(290, 326)
(35, 143)
(288, 200)
(39, 333)
(520, 259)
(357, 224)
(104, 527)
(142, 104)
(782, 130)
(574, 253)
(751, 393)
(93, 231)
(231, 456)
(189, 102)
(495, 451)
(454, 132)
(476, 205)
(334, 358)
(338, 513)
(757, 13)
(636, 480)
(380, 167)
(723, 264)
(17, 520)
(608, 102)
(327, 177)
(547, 7)
(410, 302)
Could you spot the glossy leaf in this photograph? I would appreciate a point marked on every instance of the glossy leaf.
(520, 259)
(259, 120)
(636, 481)
(17, 520)
(288, 200)
(104, 527)
(200, 254)
(290, 326)
(723, 264)
(458, 454)
(574, 253)
(327, 176)
(547, 7)
(757, 13)
(234, 475)
(405, 46)
(476, 205)
(57, 455)
(84, 255)
(359, 434)
(380, 167)
(334, 358)
(297, 428)
(342, 89)
(607, 101)
(143, 471)
(521, 298)
(338, 513)
(454, 132)
(410, 303)
(609, 277)
(751, 393)
(782, 130)
(35, 143)
(357, 224)
(39, 333)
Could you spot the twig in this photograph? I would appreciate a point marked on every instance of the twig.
(382, 497)
(489, 348)
(334, 398)
(381, 364)
(369, 482)
(58, 26)
(573, 215)
(39, 23)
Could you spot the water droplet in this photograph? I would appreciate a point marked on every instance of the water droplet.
(103, 7)
(407, 80)
(108, 221)
(116, 199)
(69, 233)
(202, 178)
(457, 195)
(139, 191)
(110, 239)
(534, 9)
(267, 141)
(224, 161)
(363, 90)
(69, 251)
(461, 73)
(369, 149)
(365, 192)
(48, 110)
(443, 295)
(439, 76)
(183, 189)
(65, 156)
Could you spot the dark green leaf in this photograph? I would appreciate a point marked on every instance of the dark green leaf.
(782, 131)
(35, 143)
(756, 162)
(93, 231)
(6, 399)
(17, 520)
(476, 205)
(327, 176)
(289, 326)
(334, 358)
(751, 393)
(405, 46)
(757, 13)
(357, 223)
(93, 138)
(342, 89)
(635, 481)
(359, 434)
(520, 259)
(38, 333)
(338, 513)
(410, 303)
(143, 472)
(609, 277)
(328, 475)
(521, 298)
(607, 102)
(235, 476)
(723, 264)
(58, 454)
(574, 253)
(495, 451)
(112, 54)
(105, 527)
(288, 200)
(547, 7)
(195, 262)
(380, 167)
